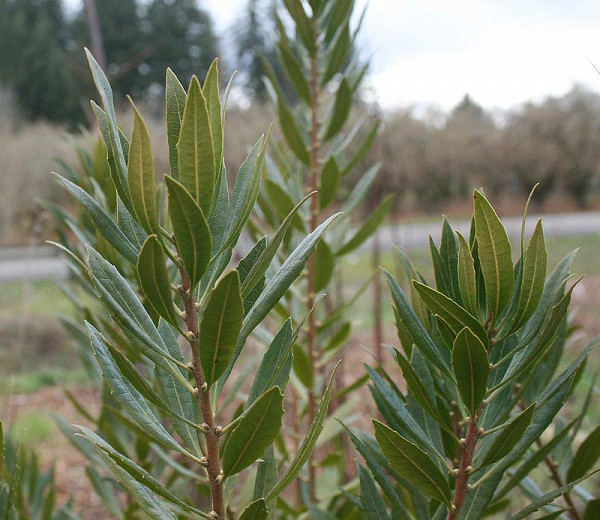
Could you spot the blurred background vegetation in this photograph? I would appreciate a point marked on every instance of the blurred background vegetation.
(431, 159)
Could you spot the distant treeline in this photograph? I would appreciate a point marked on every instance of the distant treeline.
(555, 142)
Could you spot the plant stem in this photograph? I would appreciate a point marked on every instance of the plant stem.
(212, 441)
(314, 222)
(462, 479)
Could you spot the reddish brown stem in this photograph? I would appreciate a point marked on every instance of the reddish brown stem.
(314, 222)
(212, 440)
(462, 479)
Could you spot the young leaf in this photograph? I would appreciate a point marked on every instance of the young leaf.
(293, 70)
(213, 103)
(291, 132)
(586, 456)
(175, 97)
(195, 149)
(509, 436)
(257, 510)
(412, 463)
(254, 433)
(282, 203)
(467, 281)
(141, 176)
(341, 109)
(192, 234)
(220, 326)
(154, 279)
(452, 313)
(533, 277)
(324, 265)
(308, 443)
(471, 367)
(494, 254)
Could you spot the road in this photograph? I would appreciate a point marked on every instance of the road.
(43, 262)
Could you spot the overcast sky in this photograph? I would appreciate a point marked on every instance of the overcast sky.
(502, 52)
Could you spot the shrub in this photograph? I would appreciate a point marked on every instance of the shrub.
(481, 357)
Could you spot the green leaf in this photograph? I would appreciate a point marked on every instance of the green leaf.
(302, 23)
(369, 496)
(368, 227)
(275, 366)
(324, 265)
(453, 314)
(255, 432)
(134, 472)
(494, 254)
(127, 395)
(113, 142)
(141, 175)
(303, 367)
(195, 149)
(260, 266)
(341, 110)
(291, 132)
(549, 497)
(337, 55)
(533, 277)
(154, 279)
(282, 203)
(362, 150)
(512, 433)
(175, 97)
(415, 328)
(420, 393)
(330, 181)
(220, 326)
(308, 443)
(213, 103)
(586, 456)
(103, 223)
(471, 368)
(294, 71)
(191, 230)
(257, 510)
(412, 463)
(467, 281)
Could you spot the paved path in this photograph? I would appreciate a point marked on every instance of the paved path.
(41, 262)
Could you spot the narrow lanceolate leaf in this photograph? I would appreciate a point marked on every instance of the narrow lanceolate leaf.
(257, 510)
(308, 443)
(213, 103)
(586, 456)
(471, 367)
(127, 395)
(135, 471)
(255, 432)
(175, 101)
(324, 265)
(549, 497)
(412, 463)
(533, 277)
(195, 150)
(294, 71)
(453, 314)
(369, 496)
(103, 223)
(154, 279)
(191, 230)
(330, 181)
(291, 132)
(368, 227)
(114, 142)
(467, 281)
(592, 511)
(220, 326)
(282, 202)
(340, 111)
(419, 335)
(494, 254)
(141, 175)
(509, 436)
